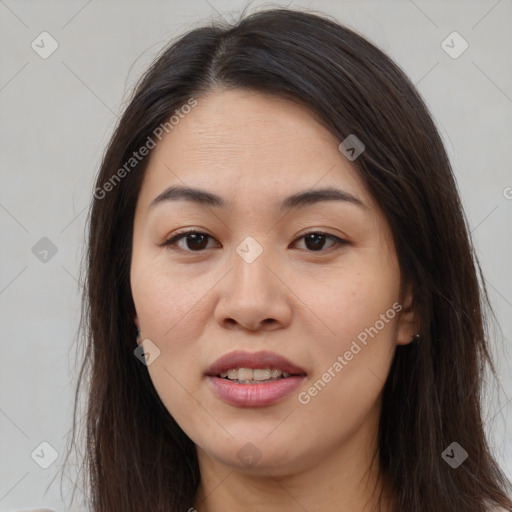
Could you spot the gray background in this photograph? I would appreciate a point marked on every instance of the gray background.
(56, 117)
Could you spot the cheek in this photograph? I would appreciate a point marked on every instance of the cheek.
(358, 310)
(173, 308)
(168, 303)
(171, 311)
(353, 298)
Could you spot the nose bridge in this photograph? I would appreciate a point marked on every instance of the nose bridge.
(253, 296)
(251, 272)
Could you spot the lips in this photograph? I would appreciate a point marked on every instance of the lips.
(254, 360)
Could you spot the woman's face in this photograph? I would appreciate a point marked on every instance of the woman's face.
(328, 302)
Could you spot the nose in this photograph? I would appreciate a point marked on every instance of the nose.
(254, 296)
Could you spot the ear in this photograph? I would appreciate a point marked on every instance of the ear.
(409, 323)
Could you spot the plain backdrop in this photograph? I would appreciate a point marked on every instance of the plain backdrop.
(58, 112)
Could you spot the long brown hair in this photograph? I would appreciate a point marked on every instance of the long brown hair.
(137, 458)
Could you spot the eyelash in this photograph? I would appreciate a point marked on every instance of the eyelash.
(172, 242)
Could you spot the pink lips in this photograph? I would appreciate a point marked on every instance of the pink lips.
(253, 395)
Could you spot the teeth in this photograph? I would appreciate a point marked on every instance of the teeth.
(258, 374)
(245, 374)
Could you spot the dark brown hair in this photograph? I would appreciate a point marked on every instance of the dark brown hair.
(137, 458)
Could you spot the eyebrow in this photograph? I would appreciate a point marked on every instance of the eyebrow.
(297, 200)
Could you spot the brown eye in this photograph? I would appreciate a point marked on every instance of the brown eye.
(197, 241)
(315, 241)
(194, 241)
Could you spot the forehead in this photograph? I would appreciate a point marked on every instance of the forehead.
(252, 146)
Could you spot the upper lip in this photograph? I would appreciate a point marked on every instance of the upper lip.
(244, 359)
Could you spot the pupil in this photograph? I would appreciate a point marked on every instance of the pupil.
(195, 237)
(318, 238)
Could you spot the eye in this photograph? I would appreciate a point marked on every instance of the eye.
(196, 241)
(315, 240)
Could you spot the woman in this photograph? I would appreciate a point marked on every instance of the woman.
(282, 300)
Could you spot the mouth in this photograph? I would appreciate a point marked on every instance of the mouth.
(258, 379)
(253, 367)
(255, 375)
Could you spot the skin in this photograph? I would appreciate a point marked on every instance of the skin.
(308, 305)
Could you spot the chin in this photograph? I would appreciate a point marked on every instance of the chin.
(259, 456)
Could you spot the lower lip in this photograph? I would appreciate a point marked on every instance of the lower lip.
(254, 395)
